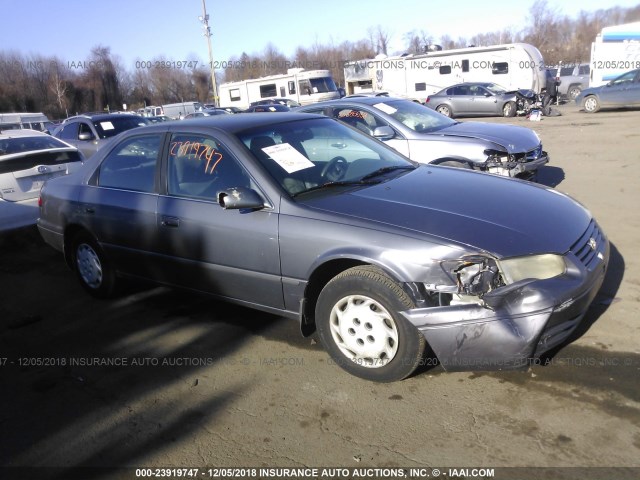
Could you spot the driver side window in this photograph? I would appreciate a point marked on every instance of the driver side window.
(201, 167)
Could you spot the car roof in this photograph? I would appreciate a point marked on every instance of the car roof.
(234, 123)
(356, 100)
(103, 116)
(4, 134)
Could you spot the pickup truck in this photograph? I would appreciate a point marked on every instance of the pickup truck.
(573, 79)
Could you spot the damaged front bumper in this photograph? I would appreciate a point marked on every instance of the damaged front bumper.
(515, 324)
(523, 166)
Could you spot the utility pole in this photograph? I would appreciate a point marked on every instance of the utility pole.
(207, 33)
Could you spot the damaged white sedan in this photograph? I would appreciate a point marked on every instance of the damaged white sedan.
(426, 136)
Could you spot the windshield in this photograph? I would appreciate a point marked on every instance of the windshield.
(323, 85)
(115, 125)
(415, 116)
(307, 155)
(496, 89)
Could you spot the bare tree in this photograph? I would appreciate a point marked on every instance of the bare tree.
(379, 39)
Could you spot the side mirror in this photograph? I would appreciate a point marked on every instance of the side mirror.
(85, 137)
(384, 133)
(240, 198)
(487, 94)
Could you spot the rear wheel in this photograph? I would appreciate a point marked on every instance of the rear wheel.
(444, 110)
(360, 326)
(573, 92)
(591, 104)
(509, 109)
(92, 267)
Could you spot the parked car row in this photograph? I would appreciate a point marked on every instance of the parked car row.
(489, 99)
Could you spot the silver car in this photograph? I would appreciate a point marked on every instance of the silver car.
(428, 137)
(623, 91)
(304, 217)
(90, 132)
(473, 99)
(28, 158)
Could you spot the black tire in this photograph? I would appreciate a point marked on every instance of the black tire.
(383, 346)
(444, 110)
(591, 104)
(509, 109)
(92, 267)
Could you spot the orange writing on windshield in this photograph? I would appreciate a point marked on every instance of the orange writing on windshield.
(197, 150)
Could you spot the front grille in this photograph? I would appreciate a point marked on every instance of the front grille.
(588, 245)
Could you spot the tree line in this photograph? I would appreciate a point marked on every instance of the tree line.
(60, 88)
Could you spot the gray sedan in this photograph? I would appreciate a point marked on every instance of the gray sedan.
(473, 99)
(623, 91)
(428, 137)
(304, 217)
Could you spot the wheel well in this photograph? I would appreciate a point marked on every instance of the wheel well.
(438, 161)
(319, 278)
(69, 234)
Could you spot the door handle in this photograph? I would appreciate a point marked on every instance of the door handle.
(170, 222)
(339, 145)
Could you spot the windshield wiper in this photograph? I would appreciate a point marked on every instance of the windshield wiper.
(336, 184)
(383, 170)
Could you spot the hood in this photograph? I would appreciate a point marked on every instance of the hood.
(514, 139)
(503, 216)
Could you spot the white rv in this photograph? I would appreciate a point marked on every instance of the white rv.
(513, 66)
(615, 51)
(303, 86)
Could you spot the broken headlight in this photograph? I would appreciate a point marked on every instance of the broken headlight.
(537, 267)
(476, 276)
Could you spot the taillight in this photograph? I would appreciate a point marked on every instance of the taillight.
(427, 100)
(40, 202)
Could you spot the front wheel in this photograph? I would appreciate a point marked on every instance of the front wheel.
(359, 324)
(509, 109)
(92, 267)
(591, 104)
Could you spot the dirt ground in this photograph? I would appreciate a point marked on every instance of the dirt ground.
(192, 382)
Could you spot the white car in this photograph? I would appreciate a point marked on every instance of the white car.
(28, 158)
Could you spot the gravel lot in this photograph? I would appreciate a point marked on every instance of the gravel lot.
(160, 378)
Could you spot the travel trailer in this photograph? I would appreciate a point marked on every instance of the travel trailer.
(513, 66)
(616, 50)
(303, 86)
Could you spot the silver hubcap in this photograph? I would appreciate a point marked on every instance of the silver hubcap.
(364, 331)
(507, 109)
(590, 104)
(444, 111)
(89, 265)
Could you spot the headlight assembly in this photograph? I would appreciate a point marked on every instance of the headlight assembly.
(537, 267)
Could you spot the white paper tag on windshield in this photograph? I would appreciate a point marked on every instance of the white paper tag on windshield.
(107, 125)
(288, 157)
(386, 108)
